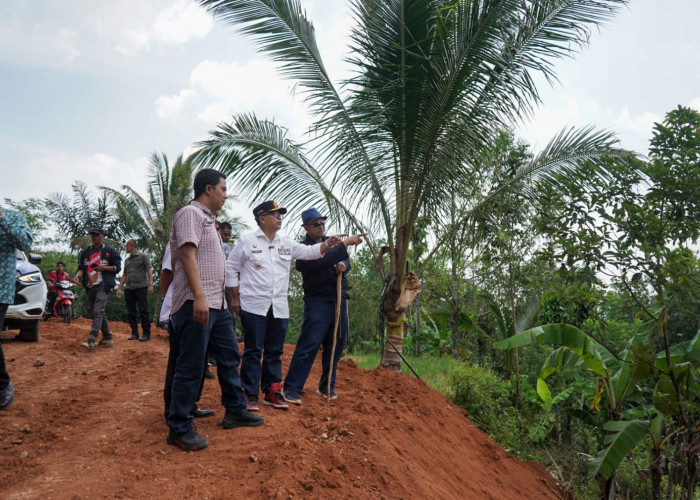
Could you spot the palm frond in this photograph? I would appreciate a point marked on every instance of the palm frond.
(267, 165)
(281, 30)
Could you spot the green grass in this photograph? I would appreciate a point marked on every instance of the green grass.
(434, 371)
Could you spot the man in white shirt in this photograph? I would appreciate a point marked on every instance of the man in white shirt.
(259, 297)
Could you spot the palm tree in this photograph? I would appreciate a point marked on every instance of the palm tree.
(148, 219)
(435, 81)
(75, 216)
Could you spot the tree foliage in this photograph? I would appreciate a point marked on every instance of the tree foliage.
(434, 82)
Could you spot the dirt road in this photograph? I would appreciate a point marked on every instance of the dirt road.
(90, 425)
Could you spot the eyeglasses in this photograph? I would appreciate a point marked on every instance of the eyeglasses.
(277, 215)
(316, 224)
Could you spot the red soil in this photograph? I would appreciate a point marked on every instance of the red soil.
(90, 425)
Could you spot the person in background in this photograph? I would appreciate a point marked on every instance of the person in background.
(199, 314)
(257, 273)
(55, 276)
(97, 269)
(320, 294)
(137, 281)
(14, 234)
(225, 232)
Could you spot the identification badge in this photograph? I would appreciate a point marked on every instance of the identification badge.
(257, 251)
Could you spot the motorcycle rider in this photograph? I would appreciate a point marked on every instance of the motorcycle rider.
(59, 274)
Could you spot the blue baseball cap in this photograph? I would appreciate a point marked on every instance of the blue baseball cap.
(311, 214)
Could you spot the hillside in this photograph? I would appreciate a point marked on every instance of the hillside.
(90, 425)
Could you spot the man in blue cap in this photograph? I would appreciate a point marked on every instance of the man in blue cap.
(320, 295)
(257, 273)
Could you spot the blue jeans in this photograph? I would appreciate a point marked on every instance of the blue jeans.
(194, 339)
(262, 333)
(317, 330)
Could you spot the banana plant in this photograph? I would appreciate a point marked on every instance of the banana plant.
(616, 380)
(614, 377)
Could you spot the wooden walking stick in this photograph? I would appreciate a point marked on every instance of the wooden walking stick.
(339, 282)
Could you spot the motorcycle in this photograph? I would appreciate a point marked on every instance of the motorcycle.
(63, 305)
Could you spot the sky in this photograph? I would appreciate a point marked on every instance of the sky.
(90, 90)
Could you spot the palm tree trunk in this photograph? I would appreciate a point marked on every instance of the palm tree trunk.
(418, 327)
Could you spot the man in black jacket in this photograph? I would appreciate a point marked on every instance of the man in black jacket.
(320, 291)
(97, 269)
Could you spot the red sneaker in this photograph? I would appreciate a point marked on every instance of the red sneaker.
(252, 402)
(274, 397)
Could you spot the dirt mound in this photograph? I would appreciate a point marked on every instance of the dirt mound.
(90, 424)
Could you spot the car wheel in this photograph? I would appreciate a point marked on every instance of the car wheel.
(29, 332)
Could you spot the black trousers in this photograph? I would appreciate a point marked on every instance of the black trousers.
(138, 297)
(4, 376)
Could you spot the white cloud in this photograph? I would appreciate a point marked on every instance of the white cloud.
(547, 121)
(641, 124)
(169, 107)
(221, 89)
(131, 42)
(695, 103)
(46, 170)
(182, 22)
(65, 42)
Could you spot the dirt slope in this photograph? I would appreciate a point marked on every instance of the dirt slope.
(90, 425)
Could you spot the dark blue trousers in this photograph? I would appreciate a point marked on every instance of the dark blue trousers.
(173, 355)
(264, 337)
(317, 330)
(194, 339)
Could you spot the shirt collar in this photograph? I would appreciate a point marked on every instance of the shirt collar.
(202, 208)
(259, 234)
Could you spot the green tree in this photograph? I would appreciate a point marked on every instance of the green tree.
(434, 82)
(638, 226)
(74, 217)
(34, 210)
(148, 219)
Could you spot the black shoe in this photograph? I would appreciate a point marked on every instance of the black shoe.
(133, 337)
(188, 441)
(247, 419)
(209, 374)
(199, 413)
(145, 338)
(7, 396)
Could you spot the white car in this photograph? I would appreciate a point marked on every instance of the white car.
(30, 298)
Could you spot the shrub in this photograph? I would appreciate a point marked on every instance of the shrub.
(487, 398)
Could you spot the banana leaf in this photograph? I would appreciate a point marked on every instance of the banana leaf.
(625, 437)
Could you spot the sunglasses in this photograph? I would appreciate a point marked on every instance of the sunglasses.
(316, 224)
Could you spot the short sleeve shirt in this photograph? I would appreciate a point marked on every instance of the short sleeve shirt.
(136, 269)
(14, 233)
(195, 224)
